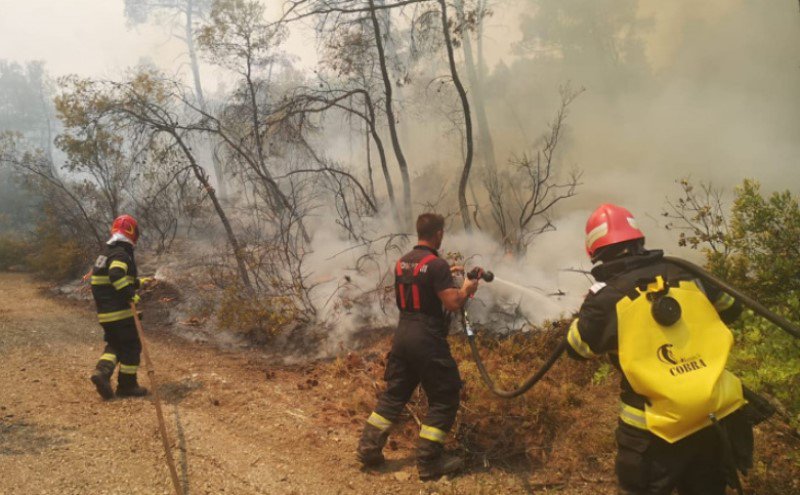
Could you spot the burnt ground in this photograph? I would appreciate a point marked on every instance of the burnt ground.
(238, 423)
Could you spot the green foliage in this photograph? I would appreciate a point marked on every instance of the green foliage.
(602, 373)
(769, 360)
(52, 250)
(12, 253)
(757, 249)
(57, 261)
(50, 257)
(765, 245)
(57, 254)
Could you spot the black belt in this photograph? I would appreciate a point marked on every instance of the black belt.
(437, 322)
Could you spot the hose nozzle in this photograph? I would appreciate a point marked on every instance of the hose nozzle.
(480, 273)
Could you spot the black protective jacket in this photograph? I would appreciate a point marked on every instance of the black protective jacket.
(114, 282)
(419, 277)
(594, 331)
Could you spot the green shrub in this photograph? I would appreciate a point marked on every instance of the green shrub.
(12, 253)
(58, 261)
(764, 242)
(57, 252)
(755, 247)
(768, 360)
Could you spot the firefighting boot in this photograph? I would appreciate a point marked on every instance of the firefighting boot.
(433, 462)
(370, 446)
(127, 386)
(101, 377)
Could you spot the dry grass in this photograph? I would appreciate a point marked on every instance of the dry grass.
(559, 434)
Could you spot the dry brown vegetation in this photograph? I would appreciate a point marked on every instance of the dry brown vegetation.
(559, 435)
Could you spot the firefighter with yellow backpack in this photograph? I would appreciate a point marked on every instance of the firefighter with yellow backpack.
(114, 282)
(683, 420)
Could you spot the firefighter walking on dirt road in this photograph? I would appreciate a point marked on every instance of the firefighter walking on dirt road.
(420, 354)
(114, 284)
(684, 423)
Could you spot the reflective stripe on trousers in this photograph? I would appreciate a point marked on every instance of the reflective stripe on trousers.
(115, 316)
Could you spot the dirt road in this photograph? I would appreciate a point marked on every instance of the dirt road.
(238, 425)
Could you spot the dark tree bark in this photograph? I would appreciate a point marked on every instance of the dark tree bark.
(462, 93)
(158, 119)
(202, 177)
(387, 86)
(379, 145)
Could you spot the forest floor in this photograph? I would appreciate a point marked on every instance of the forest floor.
(239, 423)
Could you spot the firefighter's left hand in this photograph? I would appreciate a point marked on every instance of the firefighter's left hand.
(144, 281)
(135, 299)
(470, 286)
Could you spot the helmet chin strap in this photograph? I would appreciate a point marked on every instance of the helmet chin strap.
(119, 237)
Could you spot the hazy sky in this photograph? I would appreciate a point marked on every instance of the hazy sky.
(726, 106)
(88, 37)
(92, 38)
(729, 110)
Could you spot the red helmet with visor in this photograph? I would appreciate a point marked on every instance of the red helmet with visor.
(610, 224)
(126, 226)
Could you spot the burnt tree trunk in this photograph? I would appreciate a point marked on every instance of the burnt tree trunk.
(387, 87)
(462, 93)
(202, 177)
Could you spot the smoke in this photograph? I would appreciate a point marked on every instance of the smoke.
(712, 97)
(701, 89)
(351, 300)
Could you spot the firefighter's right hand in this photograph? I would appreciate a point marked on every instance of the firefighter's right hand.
(135, 299)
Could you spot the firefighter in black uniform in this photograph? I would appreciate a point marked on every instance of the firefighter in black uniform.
(682, 415)
(114, 284)
(420, 354)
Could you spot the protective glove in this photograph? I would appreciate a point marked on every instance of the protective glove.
(145, 280)
(135, 299)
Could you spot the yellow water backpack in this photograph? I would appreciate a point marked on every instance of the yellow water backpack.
(678, 367)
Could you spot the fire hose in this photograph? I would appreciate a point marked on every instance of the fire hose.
(151, 373)
(537, 376)
(487, 379)
(748, 301)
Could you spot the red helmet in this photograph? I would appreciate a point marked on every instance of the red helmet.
(126, 226)
(610, 224)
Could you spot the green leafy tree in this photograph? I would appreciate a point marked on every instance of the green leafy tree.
(765, 241)
(755, 247)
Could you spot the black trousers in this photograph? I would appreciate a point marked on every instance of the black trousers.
(648, 465)
(122, 340)
(420, 355)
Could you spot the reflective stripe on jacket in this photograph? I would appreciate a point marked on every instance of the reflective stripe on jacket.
(114, 282)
